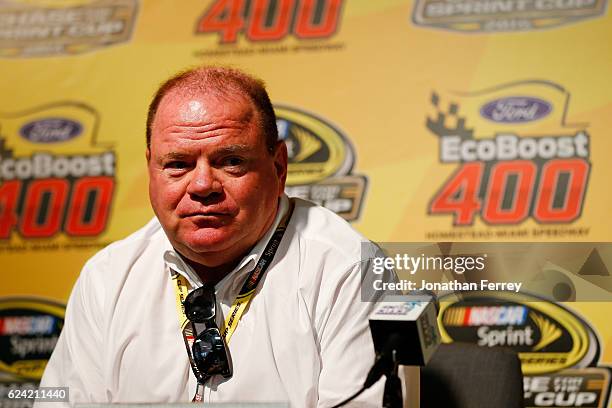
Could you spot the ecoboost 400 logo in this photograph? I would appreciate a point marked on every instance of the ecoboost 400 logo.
(321, 160)
(54, 177)
(516, 156)
(51, 27)
(264, 20)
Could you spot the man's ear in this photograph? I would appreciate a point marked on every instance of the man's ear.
(280, 164)
(148, 154)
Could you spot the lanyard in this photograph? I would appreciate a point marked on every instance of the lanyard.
(181, 288)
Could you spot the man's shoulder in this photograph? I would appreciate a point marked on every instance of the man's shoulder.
(131, 247)
(105, 274)
(319, 225)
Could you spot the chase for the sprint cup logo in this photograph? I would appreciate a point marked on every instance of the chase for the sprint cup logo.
(35, 28)
(321, 161)
(56, 180)
(472, 16)
(512, 155)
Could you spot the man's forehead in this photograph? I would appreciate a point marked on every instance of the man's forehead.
(201, 115)
(189, 105)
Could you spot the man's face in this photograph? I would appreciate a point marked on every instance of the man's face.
(213, 184)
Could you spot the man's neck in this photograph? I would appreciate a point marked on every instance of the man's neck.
(212, 274)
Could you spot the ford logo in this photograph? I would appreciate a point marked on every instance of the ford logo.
(51, 130)
(516, 109)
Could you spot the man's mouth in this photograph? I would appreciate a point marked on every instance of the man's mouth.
(207, 214)
(209, 219)
(208, 211)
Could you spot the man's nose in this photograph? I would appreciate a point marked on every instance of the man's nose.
(204, 181)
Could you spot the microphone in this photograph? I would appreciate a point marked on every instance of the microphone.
(405, 332)
(407, 324)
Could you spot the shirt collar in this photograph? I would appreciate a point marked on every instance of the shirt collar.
(176, 262)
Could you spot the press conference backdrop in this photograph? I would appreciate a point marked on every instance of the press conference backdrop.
(431, 120)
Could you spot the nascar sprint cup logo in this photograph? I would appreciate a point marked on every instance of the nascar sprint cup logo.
(546, 336)
(29, 329)
(45, 27)
(503, 15)
(509, 167)
(53, 177)
(321, 161)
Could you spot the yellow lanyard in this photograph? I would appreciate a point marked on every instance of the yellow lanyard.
(181, 289)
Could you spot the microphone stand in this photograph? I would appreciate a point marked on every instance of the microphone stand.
(392, 397)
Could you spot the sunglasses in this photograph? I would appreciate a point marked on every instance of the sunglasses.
(209, 350)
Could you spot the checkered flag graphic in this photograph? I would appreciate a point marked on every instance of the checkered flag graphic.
(448, 122)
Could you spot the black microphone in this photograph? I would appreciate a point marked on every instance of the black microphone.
(407, 324)
(405, 332)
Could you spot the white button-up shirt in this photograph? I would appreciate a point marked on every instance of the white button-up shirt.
(303, 339)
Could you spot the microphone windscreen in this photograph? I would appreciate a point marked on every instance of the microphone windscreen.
(408, 325)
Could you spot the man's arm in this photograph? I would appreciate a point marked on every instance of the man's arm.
(77, 358)
(347, 350)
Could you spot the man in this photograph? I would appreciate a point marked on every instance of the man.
(216, 180)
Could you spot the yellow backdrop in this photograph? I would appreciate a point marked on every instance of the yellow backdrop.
(432, 120)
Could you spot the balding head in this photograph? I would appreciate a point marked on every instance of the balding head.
(222, 82)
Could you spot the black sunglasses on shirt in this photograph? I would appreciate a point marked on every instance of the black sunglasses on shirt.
(209, 350)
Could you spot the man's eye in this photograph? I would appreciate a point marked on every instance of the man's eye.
(233, 161)
(176, 165)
